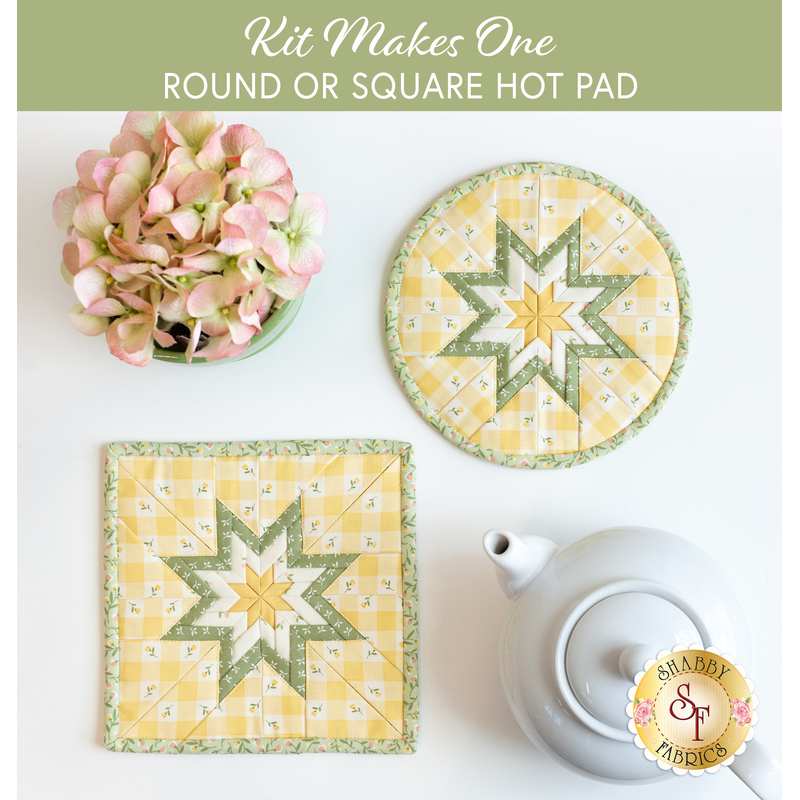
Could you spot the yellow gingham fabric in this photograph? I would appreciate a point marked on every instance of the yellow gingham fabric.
(379, 617)
(141, 573)
(557, 423)
(474, 404)
(634, 252)
(561, 202)
(168, 689)
(156, 525)
(284, 709)
(178, 712)
(513, 429)
(370, 524)
(646, 317)
(239, 714)
(334, 705)
(340, 485)
(281, 479)
(441, 379)
(628, 378)
(184, 486)
(463, 238)
(153, 702)
(614, 240)
(431, 313)
(237, 487)
(602, 412)
(601, 226)
(150, 617)
(518, 207)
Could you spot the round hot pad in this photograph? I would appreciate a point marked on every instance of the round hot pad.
(538, 315)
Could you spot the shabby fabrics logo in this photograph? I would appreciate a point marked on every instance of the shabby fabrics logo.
(692, 710)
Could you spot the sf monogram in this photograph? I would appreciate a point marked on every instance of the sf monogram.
(698, 713)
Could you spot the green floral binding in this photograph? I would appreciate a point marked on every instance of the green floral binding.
(407, 744)
(463, 281)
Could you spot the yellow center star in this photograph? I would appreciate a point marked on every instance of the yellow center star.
(539, 315)
(260, 597)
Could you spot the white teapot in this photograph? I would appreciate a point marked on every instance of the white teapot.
(584, 621)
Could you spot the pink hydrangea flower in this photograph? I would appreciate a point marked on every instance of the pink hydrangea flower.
(185, 234)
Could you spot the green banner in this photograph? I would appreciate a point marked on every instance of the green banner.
(352, 55)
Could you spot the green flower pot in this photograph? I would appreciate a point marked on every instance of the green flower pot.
(274, 327)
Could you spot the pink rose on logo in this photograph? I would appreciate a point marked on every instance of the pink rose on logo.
(643, 712)
(741, 711)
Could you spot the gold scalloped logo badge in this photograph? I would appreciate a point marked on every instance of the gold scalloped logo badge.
(692, 710)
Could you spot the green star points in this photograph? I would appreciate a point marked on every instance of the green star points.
(293, 670)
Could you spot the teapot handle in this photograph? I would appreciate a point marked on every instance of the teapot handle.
(760, 770)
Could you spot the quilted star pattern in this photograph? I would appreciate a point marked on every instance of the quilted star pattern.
(538, 315)
(264, 597)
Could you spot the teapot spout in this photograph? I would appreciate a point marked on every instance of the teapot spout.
(519, 559)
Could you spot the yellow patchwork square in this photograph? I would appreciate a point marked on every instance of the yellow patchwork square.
(208, 648)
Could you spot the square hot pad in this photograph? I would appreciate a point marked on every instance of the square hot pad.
(261, 597)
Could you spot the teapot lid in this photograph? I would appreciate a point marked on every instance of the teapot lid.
(603, 633)
(594, 649)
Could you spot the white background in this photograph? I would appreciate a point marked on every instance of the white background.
(707, 468)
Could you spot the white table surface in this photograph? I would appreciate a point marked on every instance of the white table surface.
(706, 468)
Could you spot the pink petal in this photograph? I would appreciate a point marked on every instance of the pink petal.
(159, 203)
(136, 163)
(176, 175)
(212, 156)
(107, 307)
(221, 347)
(127, 141)
(187, 221)
(139, 252)
(306, 256)
(196, 331)
(239, 138)
(200, 187)
(72, 257)
(247, 222)
(205, 299)
(274, 207)
(88, 251)
(123, 193)
(87, 324)
(115, 345)
(90, 285)
(236, 283)
(266, 165)
(286, 286)
(135, 302)
(131, 223)
(212, 216)
(142, 122)
(210, 261)
(250, 306)
(241, 333)
(90, 218)
(181, 155)
(308, 214)
(163, 338)
(194, 126)
(231, 246)
(65, 204)
(284, 188)
(173, 305)
(276, 245)
(85, 165)
(104, 172)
